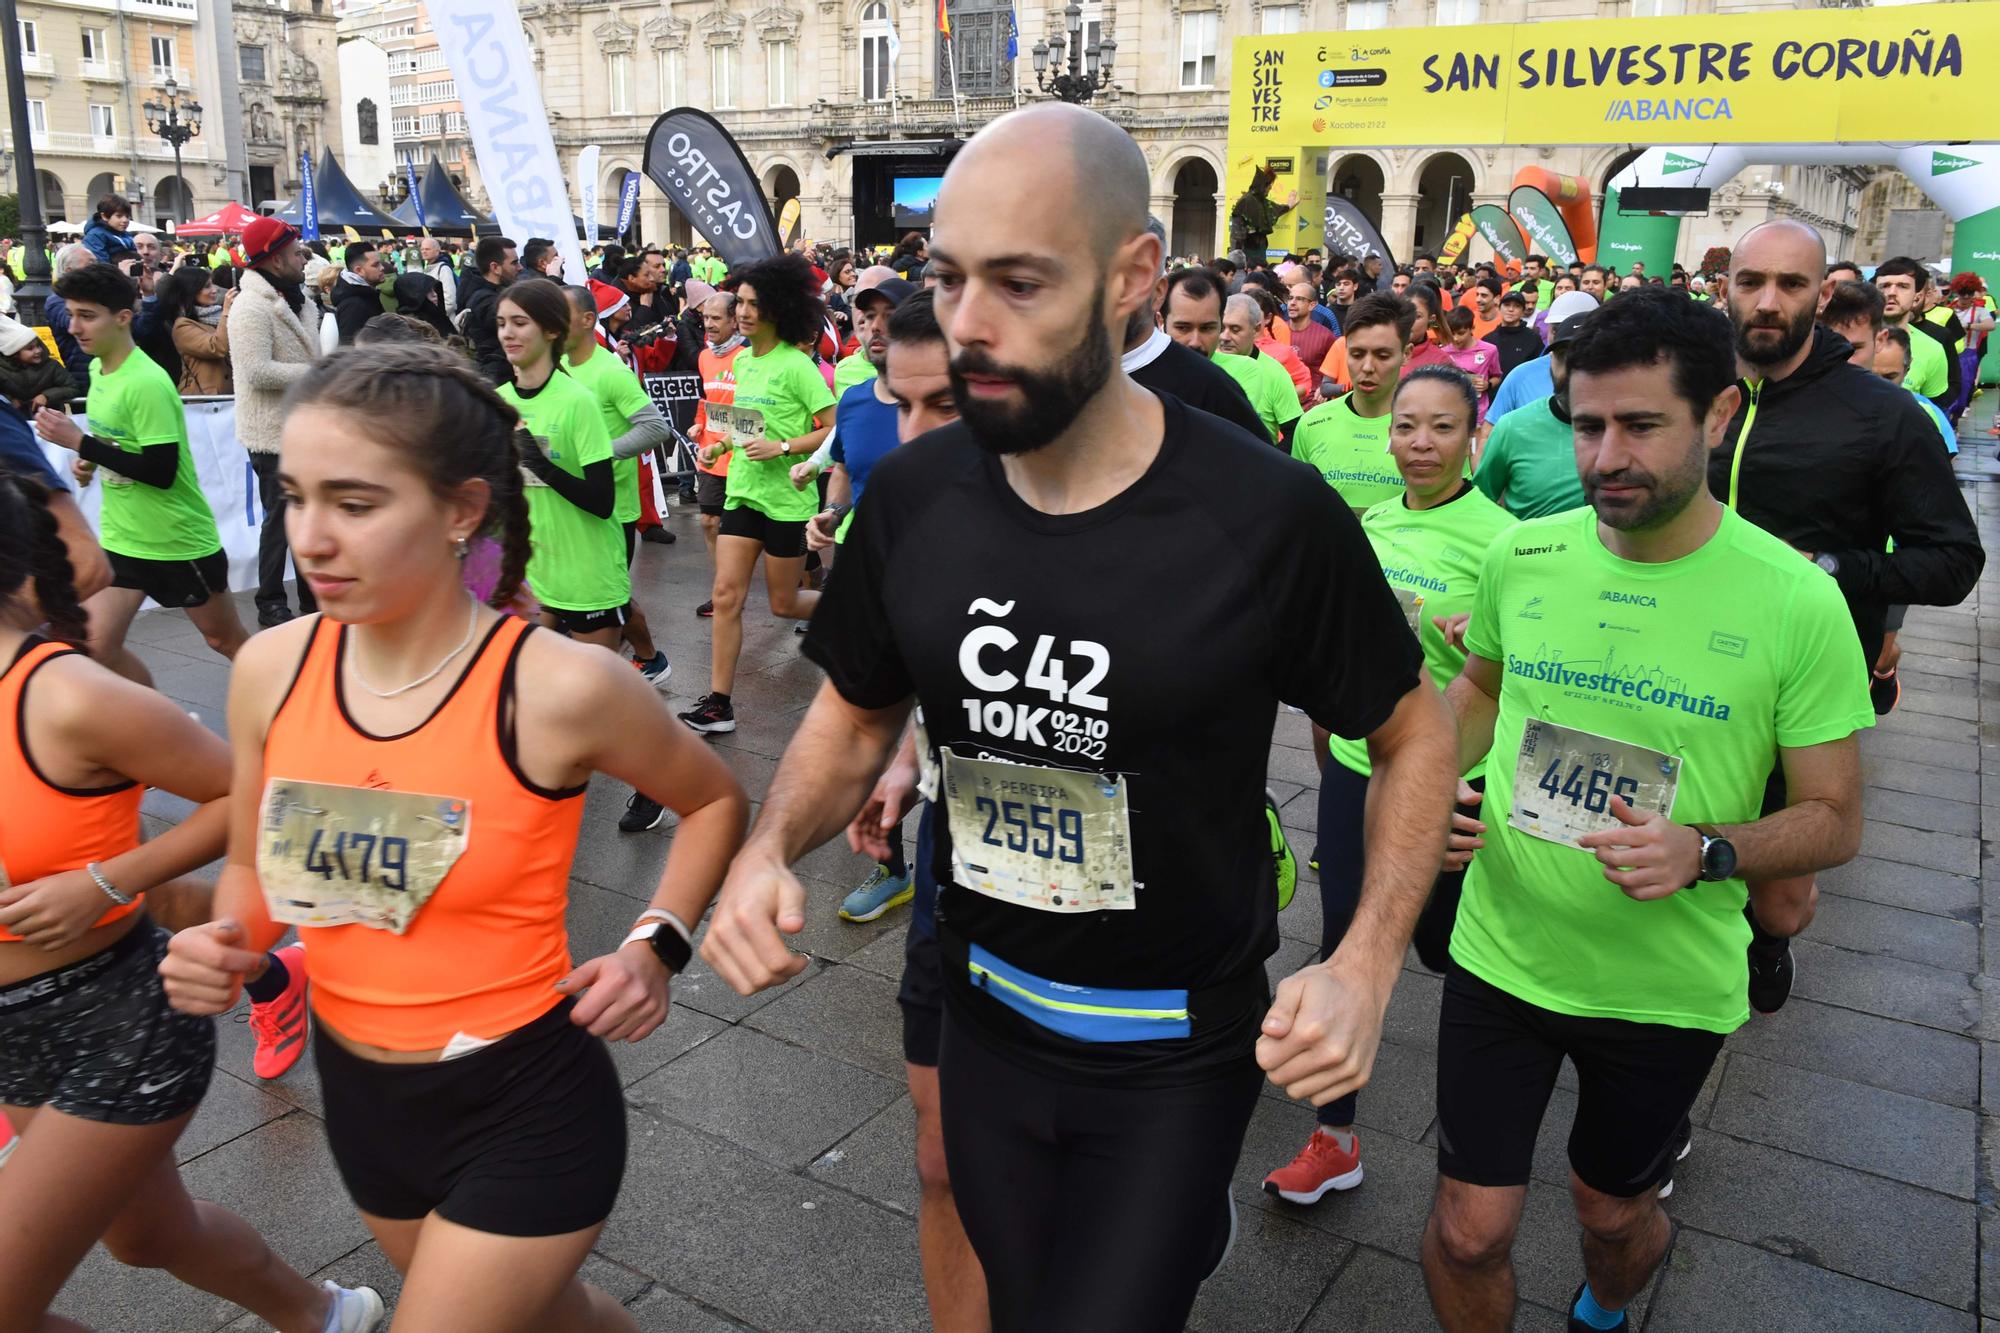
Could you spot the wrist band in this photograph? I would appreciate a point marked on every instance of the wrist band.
(110, 891)
(661, 914)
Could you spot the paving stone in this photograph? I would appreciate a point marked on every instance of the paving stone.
(1899, 885)
(1931, 644)
(878, 1160)
(1830, 1216)
(882, 955)
(1871, 928)
(700, 988)
(1929, 813)
(1837, 1120)
(1847, 1043)
(1960, 752)
(1890, 987)
(1903, 725)
(1273, 1274)
(772, 1248)
(844, 1012)
(1401, 1096)
(1937, 851)
(661, 1311)
(230, 1109)
(785, 1102)
(1903, 775)
(1710, 1283)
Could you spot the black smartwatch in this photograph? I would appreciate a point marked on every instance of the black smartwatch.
(1718, 856)
(667, 937)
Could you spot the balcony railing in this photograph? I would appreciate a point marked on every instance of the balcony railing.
(37, 63)
(100, 71)
(160, 74)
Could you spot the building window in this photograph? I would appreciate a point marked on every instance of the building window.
(163, 55)
(619, 72)
(1280, 20)
(1457, 11)
(878, 40)
(722, 75)
(93, 45)
(367, 120)
(778, 68)
(31, 37)
(1656, 9)
(1366, 14)
(980, 30)
(101, 123)
(670, 77)
(1198, 49)
(1092, 21)
(38, 116)
(250, 61)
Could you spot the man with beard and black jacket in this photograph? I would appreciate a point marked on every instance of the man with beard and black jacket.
(494, 266)
(356, 300)
(1836, 462)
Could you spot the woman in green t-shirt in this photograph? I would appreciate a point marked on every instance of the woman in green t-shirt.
(1431, 541)
(782, 409)
(577, 570)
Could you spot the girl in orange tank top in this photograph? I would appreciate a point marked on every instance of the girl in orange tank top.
(410, 769)
(98, 1074)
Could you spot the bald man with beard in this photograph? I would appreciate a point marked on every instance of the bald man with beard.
(1108, 884)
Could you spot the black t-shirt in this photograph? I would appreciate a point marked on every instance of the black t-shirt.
(1152, 637)
(1199, 382)
(1517, 345)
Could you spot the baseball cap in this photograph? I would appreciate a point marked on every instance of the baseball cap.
(265, 237)
(1513, 298)
(1567, 314)
(893, 290)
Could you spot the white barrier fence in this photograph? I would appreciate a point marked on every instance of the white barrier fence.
(226, 479)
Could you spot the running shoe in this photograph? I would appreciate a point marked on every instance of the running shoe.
(9, 1140)
(1885, 692)
(1576, 1325)
(1771, 974)
(656, 671)
(657, 536)
(705, 610)
(1319, 1167)
(1685, 1138)
(354, 1309)
(877, 894)
(1281, 853)
(710, 715)
(280, 1026)
(641, 813)
(270, 617)
(1229, 1241)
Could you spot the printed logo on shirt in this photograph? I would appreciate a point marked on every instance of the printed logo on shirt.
(1532, 611)
(1729, 645)
(988, 656)
(1411, 578)
(1627, 598)
(1552, 548)
(1613, 682)
(376, 780)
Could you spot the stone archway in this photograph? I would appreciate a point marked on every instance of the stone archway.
(53, 201)
(172, 199)
(1191, 231)
(1359, 179)
(1445, 186)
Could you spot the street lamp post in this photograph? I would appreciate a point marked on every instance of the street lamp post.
(167, 122)
(1073, 83)
(34, 286)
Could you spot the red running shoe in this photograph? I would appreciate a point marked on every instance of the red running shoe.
(1319, 1167)
(280, 1026)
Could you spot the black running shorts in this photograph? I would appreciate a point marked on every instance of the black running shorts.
(98, 1040)
(781, 540)
(590, 622)
(176, 583)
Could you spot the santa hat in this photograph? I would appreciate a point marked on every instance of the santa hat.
(609, 299)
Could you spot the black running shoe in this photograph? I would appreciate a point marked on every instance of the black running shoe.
(641, 813)
(710, 716)
(1885, 692)
(657, 536)
(705, 610)
(1771, 973)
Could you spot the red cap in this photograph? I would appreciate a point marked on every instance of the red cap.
(265, 237)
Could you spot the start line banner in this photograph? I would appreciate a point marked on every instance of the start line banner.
(223, 468)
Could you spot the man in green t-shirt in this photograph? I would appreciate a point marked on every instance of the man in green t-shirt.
(155, 524)
(1933, 373)
(1529, 462)
(1347, 440)
(1264, 381)
(1638, 670)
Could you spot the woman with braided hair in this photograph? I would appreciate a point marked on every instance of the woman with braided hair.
(98, 1074)
(409, 775)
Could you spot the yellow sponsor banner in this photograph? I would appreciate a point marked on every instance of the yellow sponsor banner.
(1905, 73)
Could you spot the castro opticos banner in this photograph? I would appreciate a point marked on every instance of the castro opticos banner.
(696, 163)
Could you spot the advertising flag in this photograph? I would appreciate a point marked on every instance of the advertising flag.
(309, 222)
(628, 201)
(1349, 232)
(1501, 233)
(1535, 213)
(416, 196)
(586, 189)
(696, 163)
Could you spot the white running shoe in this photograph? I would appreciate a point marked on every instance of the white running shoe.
(354, 1309)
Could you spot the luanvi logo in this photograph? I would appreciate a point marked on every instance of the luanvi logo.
(1676, 163)
(1943, 164)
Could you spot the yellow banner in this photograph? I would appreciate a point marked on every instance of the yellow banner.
(1917, 72)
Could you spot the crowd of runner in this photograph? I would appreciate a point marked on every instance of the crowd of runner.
(1586, 586)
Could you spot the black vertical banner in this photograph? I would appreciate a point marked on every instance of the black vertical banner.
(1349, 232)
(698, 166)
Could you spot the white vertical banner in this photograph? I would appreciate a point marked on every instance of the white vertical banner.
(487, 49)
(586, 193)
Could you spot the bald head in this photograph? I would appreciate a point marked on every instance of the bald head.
(1079, 162)
(1787, 241)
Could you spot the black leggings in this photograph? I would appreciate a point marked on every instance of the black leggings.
(1094, 1208)
(1343, 801)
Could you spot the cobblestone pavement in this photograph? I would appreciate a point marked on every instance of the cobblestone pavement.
(1843, 1172)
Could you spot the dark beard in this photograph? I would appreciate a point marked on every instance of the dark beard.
(1794, 338)
(1052, 399)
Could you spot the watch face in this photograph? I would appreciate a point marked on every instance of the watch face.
(1718, 859)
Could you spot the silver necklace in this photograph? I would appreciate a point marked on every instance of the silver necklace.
(471, 620)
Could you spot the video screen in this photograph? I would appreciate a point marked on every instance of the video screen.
(915, 201)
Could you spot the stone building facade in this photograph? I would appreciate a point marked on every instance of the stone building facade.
(281, 59)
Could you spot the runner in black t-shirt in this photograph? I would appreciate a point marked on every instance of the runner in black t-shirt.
(1107, 899)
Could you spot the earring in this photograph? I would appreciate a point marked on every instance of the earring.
(461, 548)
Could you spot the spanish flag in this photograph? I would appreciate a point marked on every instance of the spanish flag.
(944, 18)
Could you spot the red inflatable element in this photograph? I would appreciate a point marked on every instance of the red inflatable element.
(1571, 196)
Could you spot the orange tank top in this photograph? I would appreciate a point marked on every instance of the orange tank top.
(47, 828)
(483, 953)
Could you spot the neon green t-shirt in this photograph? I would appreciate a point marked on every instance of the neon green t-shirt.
(1529, 463)
(1930, 373)
(1434, 554)
(619, 396)
(131, 407)
(577, 561)
(1349, 451)
(850, 371)
(1719, 658)
(788, 389)
(1269, 389)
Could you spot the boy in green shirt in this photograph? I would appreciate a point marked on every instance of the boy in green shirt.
(1347, 440)
(155, 524)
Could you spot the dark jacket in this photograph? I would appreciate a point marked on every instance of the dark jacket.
(479, 321)
(354, 304)
(107, 242)
(49, 380)
(1517, 345)
(420, 296)
(56, 311)
(1838, 462)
